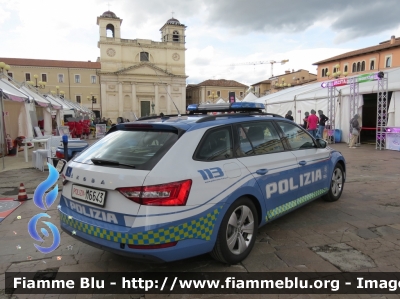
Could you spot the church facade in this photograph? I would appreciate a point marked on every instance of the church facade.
(141, 77)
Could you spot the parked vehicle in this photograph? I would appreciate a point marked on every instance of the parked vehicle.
(169, 188)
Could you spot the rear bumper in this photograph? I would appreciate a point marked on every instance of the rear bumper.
(194, 236)
(131, 255)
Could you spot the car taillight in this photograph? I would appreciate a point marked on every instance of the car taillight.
(59, 155)
(171, 194)
(157, 246)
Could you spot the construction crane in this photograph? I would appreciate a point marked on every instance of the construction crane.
(272, 62)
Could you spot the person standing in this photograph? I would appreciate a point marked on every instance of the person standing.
(354, 130)
(312, 123)
(321, 124)
(305, 120)
(289, 115)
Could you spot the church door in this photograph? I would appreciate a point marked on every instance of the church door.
(144, 108)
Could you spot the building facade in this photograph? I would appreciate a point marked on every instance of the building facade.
(76, 80)
(213, 90)
(286, 80)
(141, 77)
(381, 57)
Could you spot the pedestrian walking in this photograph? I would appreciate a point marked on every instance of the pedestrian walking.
(321, 124)
(355, 130)
(312, 123)
(289, 115)
(305, 120)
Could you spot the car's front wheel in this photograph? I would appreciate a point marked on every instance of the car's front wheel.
(237, 232)
(337, 183)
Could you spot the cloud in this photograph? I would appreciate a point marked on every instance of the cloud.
(352, 18)
(376, 17)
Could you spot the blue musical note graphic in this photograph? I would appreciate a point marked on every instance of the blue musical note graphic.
(49, 200)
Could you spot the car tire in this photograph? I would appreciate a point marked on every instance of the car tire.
(237, 232)
(336, 184)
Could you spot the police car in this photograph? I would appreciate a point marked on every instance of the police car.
(169, 188)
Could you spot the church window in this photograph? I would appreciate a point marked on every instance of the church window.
(175, 36)
(110, 30)
(144, 56)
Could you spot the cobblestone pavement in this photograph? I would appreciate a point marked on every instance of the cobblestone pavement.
(360, 232)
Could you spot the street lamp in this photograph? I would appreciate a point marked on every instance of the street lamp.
(152, 108)
(59, 92)
(213, 96)
(91, 98)
(4, 66)
(37, 84)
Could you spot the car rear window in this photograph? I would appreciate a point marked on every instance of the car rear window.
(140, 149)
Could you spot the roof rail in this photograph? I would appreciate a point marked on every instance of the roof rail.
(162, 117)
(213, 117)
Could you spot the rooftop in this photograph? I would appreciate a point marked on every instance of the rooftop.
(392, 43)
(109, 14)
(51, 63)
(222, 83)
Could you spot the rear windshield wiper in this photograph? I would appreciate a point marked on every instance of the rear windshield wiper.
(109, 162)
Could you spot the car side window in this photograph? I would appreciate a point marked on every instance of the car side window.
(216, 145)
(258, 138)
(296, 137)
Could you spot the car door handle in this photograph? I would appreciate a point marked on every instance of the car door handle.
(262, 171)
(302, 163)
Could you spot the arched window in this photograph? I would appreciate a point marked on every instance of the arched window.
(372, 65)
(175, 36)
(144, 56)
(358, 66)
(388, 61)
(345, 68)
(326, 72)
(363, 66)
(354, 68)
(323, 72)
(110, 30)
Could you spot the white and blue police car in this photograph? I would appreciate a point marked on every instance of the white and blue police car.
(172, 187)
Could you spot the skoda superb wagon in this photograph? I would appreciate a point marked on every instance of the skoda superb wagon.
(163, 189)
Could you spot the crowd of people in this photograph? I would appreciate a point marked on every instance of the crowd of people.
(316, 125)
(312, 123)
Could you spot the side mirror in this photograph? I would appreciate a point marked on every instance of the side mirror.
(322, 143)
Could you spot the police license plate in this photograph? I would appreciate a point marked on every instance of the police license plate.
(93, 196)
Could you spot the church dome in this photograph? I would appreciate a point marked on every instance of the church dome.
(109, 14)
(173, 22)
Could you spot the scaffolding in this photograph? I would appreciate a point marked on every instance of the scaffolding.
(382, 103)
(382, 112)
(330, 123)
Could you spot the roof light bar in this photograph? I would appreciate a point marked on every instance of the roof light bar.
(233, 107)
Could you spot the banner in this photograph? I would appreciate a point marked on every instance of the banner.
(100, 130)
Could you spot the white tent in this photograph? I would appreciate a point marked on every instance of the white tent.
(303, 98)
(250, 97)
(221, 100)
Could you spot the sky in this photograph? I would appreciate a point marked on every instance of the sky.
(219, 33)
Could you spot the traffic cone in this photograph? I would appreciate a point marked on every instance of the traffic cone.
(22, 193)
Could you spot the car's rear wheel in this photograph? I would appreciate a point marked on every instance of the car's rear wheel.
(237, 232)
(337, 183)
